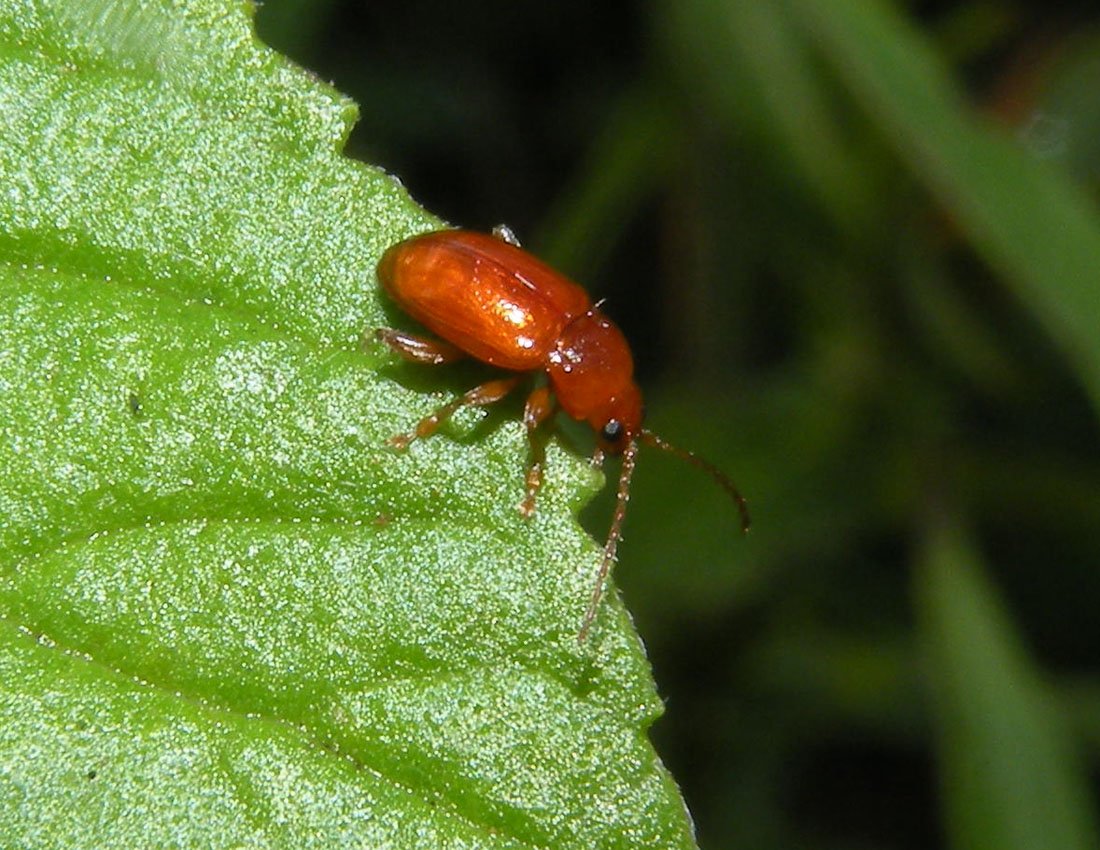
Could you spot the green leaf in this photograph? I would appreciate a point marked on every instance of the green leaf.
(229, 616)
(1008, 773)
(1035, 227)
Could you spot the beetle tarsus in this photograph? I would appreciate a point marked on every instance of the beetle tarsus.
(400, 442)
(533, 482)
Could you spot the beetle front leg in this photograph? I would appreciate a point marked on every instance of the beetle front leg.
(487, 393)
(539, 407)
(433, 352)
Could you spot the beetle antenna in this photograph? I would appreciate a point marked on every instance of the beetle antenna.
(629, 455)
(651, 439)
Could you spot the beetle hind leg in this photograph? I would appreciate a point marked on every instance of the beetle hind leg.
(480, 396)
(416, 349)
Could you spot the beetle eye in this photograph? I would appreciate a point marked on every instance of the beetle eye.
(612, 432)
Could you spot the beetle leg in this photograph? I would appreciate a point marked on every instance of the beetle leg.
(487, 393)
(505, 234)
(539, 407)
(433, 352)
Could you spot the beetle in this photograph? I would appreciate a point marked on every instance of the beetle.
(487, 298)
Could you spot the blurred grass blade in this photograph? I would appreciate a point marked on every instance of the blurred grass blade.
(1010, 780)
(752, 65)
(627, 161)
(1026, 219)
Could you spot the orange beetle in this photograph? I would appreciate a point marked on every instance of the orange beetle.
(489, 299)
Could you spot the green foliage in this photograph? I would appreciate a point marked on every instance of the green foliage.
(1036, 228)
(1009, 776)
(229, 616)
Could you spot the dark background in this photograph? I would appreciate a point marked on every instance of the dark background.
(804, 313)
